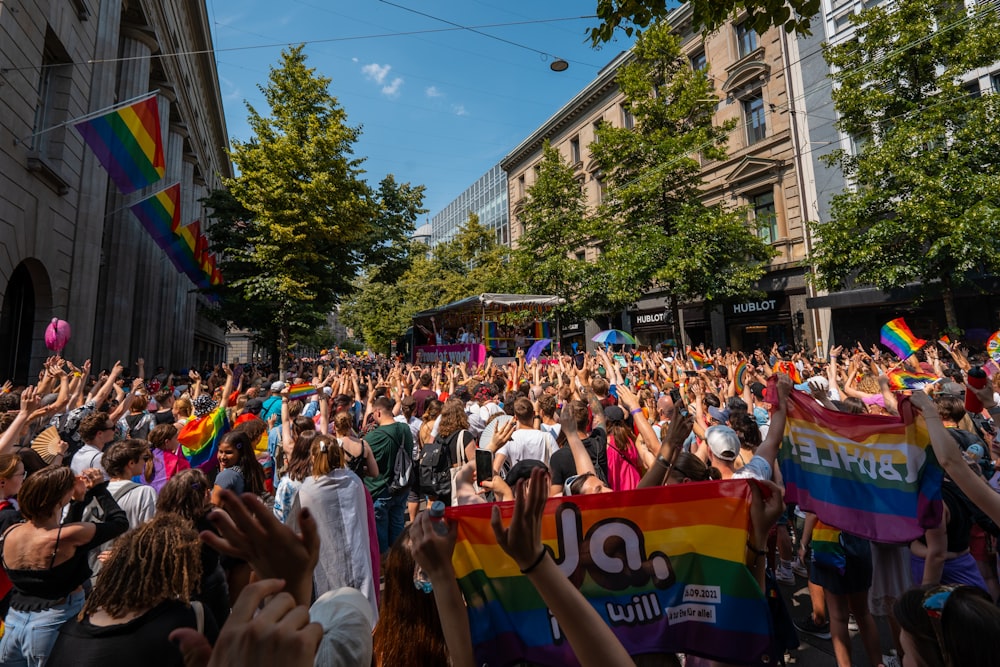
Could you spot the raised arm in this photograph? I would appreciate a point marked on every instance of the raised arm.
(227, 388)
(105, 389)
(29, 403)
(768, 449)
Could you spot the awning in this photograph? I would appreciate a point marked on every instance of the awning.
(497, 303)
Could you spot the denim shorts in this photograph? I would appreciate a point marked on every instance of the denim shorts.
(29, 635)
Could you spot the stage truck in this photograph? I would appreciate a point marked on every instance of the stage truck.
(486, 325)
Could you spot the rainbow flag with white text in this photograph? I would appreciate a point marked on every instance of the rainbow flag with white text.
(870, 475)
(663, 566)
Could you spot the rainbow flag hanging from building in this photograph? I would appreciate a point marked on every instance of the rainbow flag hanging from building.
(159, 214)
(129, 143)
(200, 439)
(869, 475)
(900, 378)
(674, 581)
(897, 337)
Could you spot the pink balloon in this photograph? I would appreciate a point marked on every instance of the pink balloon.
(57, 334)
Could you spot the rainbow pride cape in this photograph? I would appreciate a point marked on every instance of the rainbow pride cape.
(662, 566)
(301, 391)
(897, 337)
(869, 475)
(129, 143)
(900, 378)
(200, 439)
(740, 377)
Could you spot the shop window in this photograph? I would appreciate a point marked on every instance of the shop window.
(753, 115)
(765, 215)
(746, 39)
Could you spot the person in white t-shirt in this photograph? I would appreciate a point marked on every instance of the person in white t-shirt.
(97, 431)
(527, 442)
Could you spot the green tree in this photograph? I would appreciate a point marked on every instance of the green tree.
(924, 200)
(656, 232)
(470, 263)
(398, 207)
(556, 226)
(634, 15)
(313, 216)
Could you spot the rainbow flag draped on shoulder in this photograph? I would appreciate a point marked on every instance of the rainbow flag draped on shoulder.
(663, 567)
(200, 439)
(869, 475)
(128, 141)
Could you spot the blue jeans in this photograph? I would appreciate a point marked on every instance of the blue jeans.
(389, 512)
(29, 635)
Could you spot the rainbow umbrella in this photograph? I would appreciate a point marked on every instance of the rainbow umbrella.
(614, 337)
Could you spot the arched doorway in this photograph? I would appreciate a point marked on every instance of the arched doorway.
(17, 319)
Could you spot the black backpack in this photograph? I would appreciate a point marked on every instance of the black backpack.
(402, 470)
(434, 469)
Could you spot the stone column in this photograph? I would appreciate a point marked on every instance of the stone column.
(85, 284)
(123, 237)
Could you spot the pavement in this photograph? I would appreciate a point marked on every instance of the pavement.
(816, 652)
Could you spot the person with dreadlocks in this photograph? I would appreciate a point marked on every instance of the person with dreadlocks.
(143, 593)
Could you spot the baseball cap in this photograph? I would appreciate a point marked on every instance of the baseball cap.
(614, 414)
(347, 619)
(278, 386)
(723, 442)
(757, 389)
(522, 470)
(255, 405)
(719, 415)
(952, 389)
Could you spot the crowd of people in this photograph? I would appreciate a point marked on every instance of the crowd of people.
(313, 534)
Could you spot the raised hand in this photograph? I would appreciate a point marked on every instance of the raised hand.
(522, 539)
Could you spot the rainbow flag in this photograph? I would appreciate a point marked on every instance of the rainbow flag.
(993, 346)
(789, 369)
(662, 566)
(897, 337)
(129, 143)
(159, 214)
(827, 547)
(200, 439)
(301, 391)
(900, 378)
(869, 475)
(700, 359)
(542, 330)
(740, 376)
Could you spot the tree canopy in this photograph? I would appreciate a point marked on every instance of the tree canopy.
(923, 204)
(301, 221)
(632, 16)
(655, 230)
(470, 263)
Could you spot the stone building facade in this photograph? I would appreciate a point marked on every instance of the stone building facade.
(762, 172)
(69, 246)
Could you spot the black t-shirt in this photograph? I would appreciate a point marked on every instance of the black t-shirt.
(141, 641)
(562, 466)
(164, 417)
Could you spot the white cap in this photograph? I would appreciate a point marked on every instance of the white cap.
(723, 442)
(346, 617)
(278, 386)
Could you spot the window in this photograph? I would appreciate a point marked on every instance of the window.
(698, 61)
(599, 180)
(995, 82)
(628, 120)
(54, 81)
(520, 186)
(596, 127)
(574, 150)
(765, 215)
(972, 88)
(746, 39)
(581, 255)
(753, 113)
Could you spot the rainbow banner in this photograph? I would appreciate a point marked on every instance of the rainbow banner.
(740, 376)
(663, 566)
(900, 378)
(301, 391)
(159, 214)
(869, 475)
(129, 143)
(897, 337)
(200, 439)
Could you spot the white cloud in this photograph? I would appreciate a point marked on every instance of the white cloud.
(432, 91)
(392, 90)
(354, 60)
(376, 72)
(459, 110)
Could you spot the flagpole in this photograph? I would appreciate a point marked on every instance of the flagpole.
(94, 114)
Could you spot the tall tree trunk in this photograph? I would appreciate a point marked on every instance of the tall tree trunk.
(282, 350)
(951, 320)
(675, 311)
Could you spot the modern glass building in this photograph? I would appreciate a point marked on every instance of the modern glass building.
(487, 198)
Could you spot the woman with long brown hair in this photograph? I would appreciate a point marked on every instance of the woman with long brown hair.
(409, 629)
(628, 458)
(187, 494)
(46, 558)
(144, 593)
(358, 454)
(299, 468)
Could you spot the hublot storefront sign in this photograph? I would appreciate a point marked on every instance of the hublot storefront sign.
(650, 319)
(772, 307)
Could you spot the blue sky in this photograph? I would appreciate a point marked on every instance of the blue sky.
(437, 108)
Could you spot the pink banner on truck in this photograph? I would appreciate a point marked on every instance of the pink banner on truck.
(469, 354)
